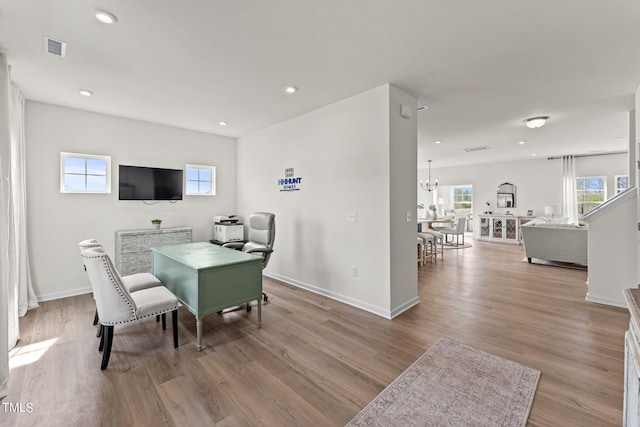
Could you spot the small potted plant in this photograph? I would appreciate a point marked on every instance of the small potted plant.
(156, 222)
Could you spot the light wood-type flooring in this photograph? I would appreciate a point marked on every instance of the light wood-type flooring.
(318, 362)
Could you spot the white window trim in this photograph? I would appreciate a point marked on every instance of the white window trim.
(65, 155)
(615, 180)
(604, 180)
(213, 179)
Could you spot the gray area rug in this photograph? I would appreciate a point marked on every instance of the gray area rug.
(455, 385)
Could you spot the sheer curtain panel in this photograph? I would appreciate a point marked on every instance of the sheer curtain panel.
(569, 191)
(16, 291)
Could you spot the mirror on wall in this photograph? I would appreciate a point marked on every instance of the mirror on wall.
(506, 195)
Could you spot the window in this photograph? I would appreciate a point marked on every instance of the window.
(463, 199)
(592, 192)
(200, 180)
(85, 173)
(622, 183)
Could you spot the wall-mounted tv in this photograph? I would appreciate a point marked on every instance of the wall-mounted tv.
(143, 183)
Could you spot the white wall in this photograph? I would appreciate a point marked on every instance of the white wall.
(613, 252)
(342, 154)
(57, 222)
(538, 181)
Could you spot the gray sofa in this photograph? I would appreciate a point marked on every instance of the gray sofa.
(555, 242)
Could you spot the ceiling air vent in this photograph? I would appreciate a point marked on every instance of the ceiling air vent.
(470, 149)
(54, 47)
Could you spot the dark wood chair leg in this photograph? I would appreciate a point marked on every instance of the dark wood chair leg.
(158, 318)
(99, 332)
(101, 335)
(164, 321)
(108, 332)
(95, 318)
(174, 325)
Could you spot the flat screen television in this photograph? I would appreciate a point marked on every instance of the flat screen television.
(143, 183)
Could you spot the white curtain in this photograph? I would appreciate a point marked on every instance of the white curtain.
(16, 291)
(569, 191)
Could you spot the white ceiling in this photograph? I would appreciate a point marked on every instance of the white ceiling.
(480, 67)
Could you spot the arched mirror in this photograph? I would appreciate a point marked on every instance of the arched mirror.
(506, 195)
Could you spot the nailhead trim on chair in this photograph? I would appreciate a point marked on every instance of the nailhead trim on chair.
(133, 312)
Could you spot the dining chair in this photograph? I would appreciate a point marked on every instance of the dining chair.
(457, 230)
(118, 306)
(133, 282)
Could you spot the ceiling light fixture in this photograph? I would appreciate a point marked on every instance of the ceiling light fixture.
(426, 186)
(291, 89)
(85, 92)
(422, 108)
(536, 122)
(105, 17)
(222, 123)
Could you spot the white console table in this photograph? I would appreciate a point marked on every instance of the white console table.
(631, 414)
(501, 228)
(133, 247)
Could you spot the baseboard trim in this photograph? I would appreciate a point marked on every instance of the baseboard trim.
(343, 299)
(606, 301)
(65, 294)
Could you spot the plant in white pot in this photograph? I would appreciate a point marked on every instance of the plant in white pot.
(156, 222)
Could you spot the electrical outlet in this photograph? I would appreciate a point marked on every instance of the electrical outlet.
(352, 216)
(354, 270)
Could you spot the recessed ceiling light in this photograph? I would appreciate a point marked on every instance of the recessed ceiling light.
(222, 123)
(534, 154)
(105, 17)
(522, 142)
(536, 122)
(437, 142)
(85, 92)
(291, 89)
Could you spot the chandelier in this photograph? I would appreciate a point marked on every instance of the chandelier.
(426, 186)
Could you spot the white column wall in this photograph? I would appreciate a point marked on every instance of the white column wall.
(342, 153)
(57, 222)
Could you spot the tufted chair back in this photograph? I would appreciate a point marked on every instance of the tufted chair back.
(114, 302)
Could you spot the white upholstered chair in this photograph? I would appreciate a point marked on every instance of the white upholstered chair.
(262, 234)
(457, 230)
(133, 282)
(117, 305)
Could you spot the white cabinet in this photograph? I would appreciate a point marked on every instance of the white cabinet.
(631, 414)
(500, 228)
(133, 247)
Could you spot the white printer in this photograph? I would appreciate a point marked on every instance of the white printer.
(227, 229)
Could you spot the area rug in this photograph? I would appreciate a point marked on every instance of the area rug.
(556, 263)
(453, 246)
(452, 384)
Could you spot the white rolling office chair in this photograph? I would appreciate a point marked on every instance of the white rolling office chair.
(262, 233)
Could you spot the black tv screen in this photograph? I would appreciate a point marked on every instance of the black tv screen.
(142, 183)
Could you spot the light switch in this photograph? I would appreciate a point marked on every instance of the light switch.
(409, 216)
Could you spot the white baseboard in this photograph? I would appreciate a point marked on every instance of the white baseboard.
(344, 299)
(606, 301)
(65, 294)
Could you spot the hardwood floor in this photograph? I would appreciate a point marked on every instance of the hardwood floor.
(318, 362)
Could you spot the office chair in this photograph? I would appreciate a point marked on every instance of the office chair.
(262, 233)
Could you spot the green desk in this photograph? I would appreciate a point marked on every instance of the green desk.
(208, 278)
